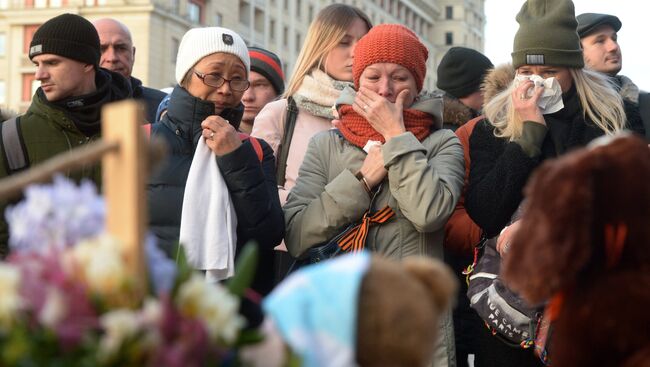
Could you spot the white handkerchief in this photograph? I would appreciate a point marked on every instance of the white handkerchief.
(208, 220)
(551, 99)
(370, 144)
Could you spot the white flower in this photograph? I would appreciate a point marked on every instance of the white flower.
(10, 300)
(54, 308)
(119, 325)
(102, 265)
(212, 304)
(151, 312)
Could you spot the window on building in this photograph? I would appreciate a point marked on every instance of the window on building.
(298, 42)
(285, 67)
(285, 5)
(174, 50)
(449, 12)
(3, 41)
(310, 12)
(30, 84)
(272, 29)
(259, 20)
(195, 11)
(298, 9)
(3, 95)
(244, 13)
(28, 34)
(218, 19)
(285, 36)
(449, 38)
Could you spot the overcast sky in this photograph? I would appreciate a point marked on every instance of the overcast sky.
(633, 37)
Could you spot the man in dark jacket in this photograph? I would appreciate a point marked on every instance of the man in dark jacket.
(118, 55)
(599, 40)
(65, 110)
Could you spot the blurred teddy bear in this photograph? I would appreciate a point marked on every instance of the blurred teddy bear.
(584, 245)
(356, 310)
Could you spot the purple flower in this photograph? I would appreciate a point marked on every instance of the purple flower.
(55, 215)
(43, 276)
(162, 270)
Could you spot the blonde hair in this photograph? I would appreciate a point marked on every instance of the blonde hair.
(325, 32)
(601, 104)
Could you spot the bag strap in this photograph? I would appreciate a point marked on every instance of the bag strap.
(13, 146)
(257, 147)
(146, 129)
(283, 149)
(644, 109)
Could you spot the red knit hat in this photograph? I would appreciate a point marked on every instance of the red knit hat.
(392, 43)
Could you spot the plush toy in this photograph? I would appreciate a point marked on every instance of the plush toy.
(356, 310)
(584, 247)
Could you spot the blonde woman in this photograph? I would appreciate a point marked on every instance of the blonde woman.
(323, 69)
(528, 123)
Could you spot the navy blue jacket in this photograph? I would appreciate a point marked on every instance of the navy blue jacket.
(251, 183)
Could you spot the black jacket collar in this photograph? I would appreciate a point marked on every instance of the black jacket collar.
(186, 112)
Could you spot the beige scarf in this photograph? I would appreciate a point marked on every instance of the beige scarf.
(318, 93)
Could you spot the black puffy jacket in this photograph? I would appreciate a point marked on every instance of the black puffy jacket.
(251, 183)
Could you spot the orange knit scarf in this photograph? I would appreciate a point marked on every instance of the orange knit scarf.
(358, 131)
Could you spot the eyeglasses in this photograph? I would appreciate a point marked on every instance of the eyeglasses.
(216, 81)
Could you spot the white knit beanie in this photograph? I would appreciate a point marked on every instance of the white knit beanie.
(198, 43)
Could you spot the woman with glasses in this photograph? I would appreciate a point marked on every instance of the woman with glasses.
(212, 70)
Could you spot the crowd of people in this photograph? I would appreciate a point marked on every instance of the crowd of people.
(352, 152)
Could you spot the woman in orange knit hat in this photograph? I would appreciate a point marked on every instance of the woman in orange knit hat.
(389, 167)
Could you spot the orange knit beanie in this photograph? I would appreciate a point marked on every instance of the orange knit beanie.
(392, 43)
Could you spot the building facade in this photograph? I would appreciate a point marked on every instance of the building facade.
(157, 27)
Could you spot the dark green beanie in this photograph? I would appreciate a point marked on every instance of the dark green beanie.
(547, 35)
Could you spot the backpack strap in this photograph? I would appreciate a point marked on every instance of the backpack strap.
(15, 152)
(644, 109)
(146, 129)
(283, 149)
(257, 147)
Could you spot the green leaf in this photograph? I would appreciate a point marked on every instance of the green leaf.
(247, 337)
(182, 267)
(244, 269)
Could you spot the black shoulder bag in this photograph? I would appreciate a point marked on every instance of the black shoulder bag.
(283, 149)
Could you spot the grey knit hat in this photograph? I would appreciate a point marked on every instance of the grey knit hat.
(547, 35)
(67, 35)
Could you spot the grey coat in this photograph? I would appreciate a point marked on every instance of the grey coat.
(424, 183)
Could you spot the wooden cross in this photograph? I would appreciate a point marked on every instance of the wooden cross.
(124, 175)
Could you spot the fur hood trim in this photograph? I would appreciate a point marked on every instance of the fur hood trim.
(497, 80)
(455, 113)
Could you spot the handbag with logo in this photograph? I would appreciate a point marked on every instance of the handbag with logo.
(506, 314)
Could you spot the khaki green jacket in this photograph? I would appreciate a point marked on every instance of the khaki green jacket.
(423, 185)
(46, 131)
